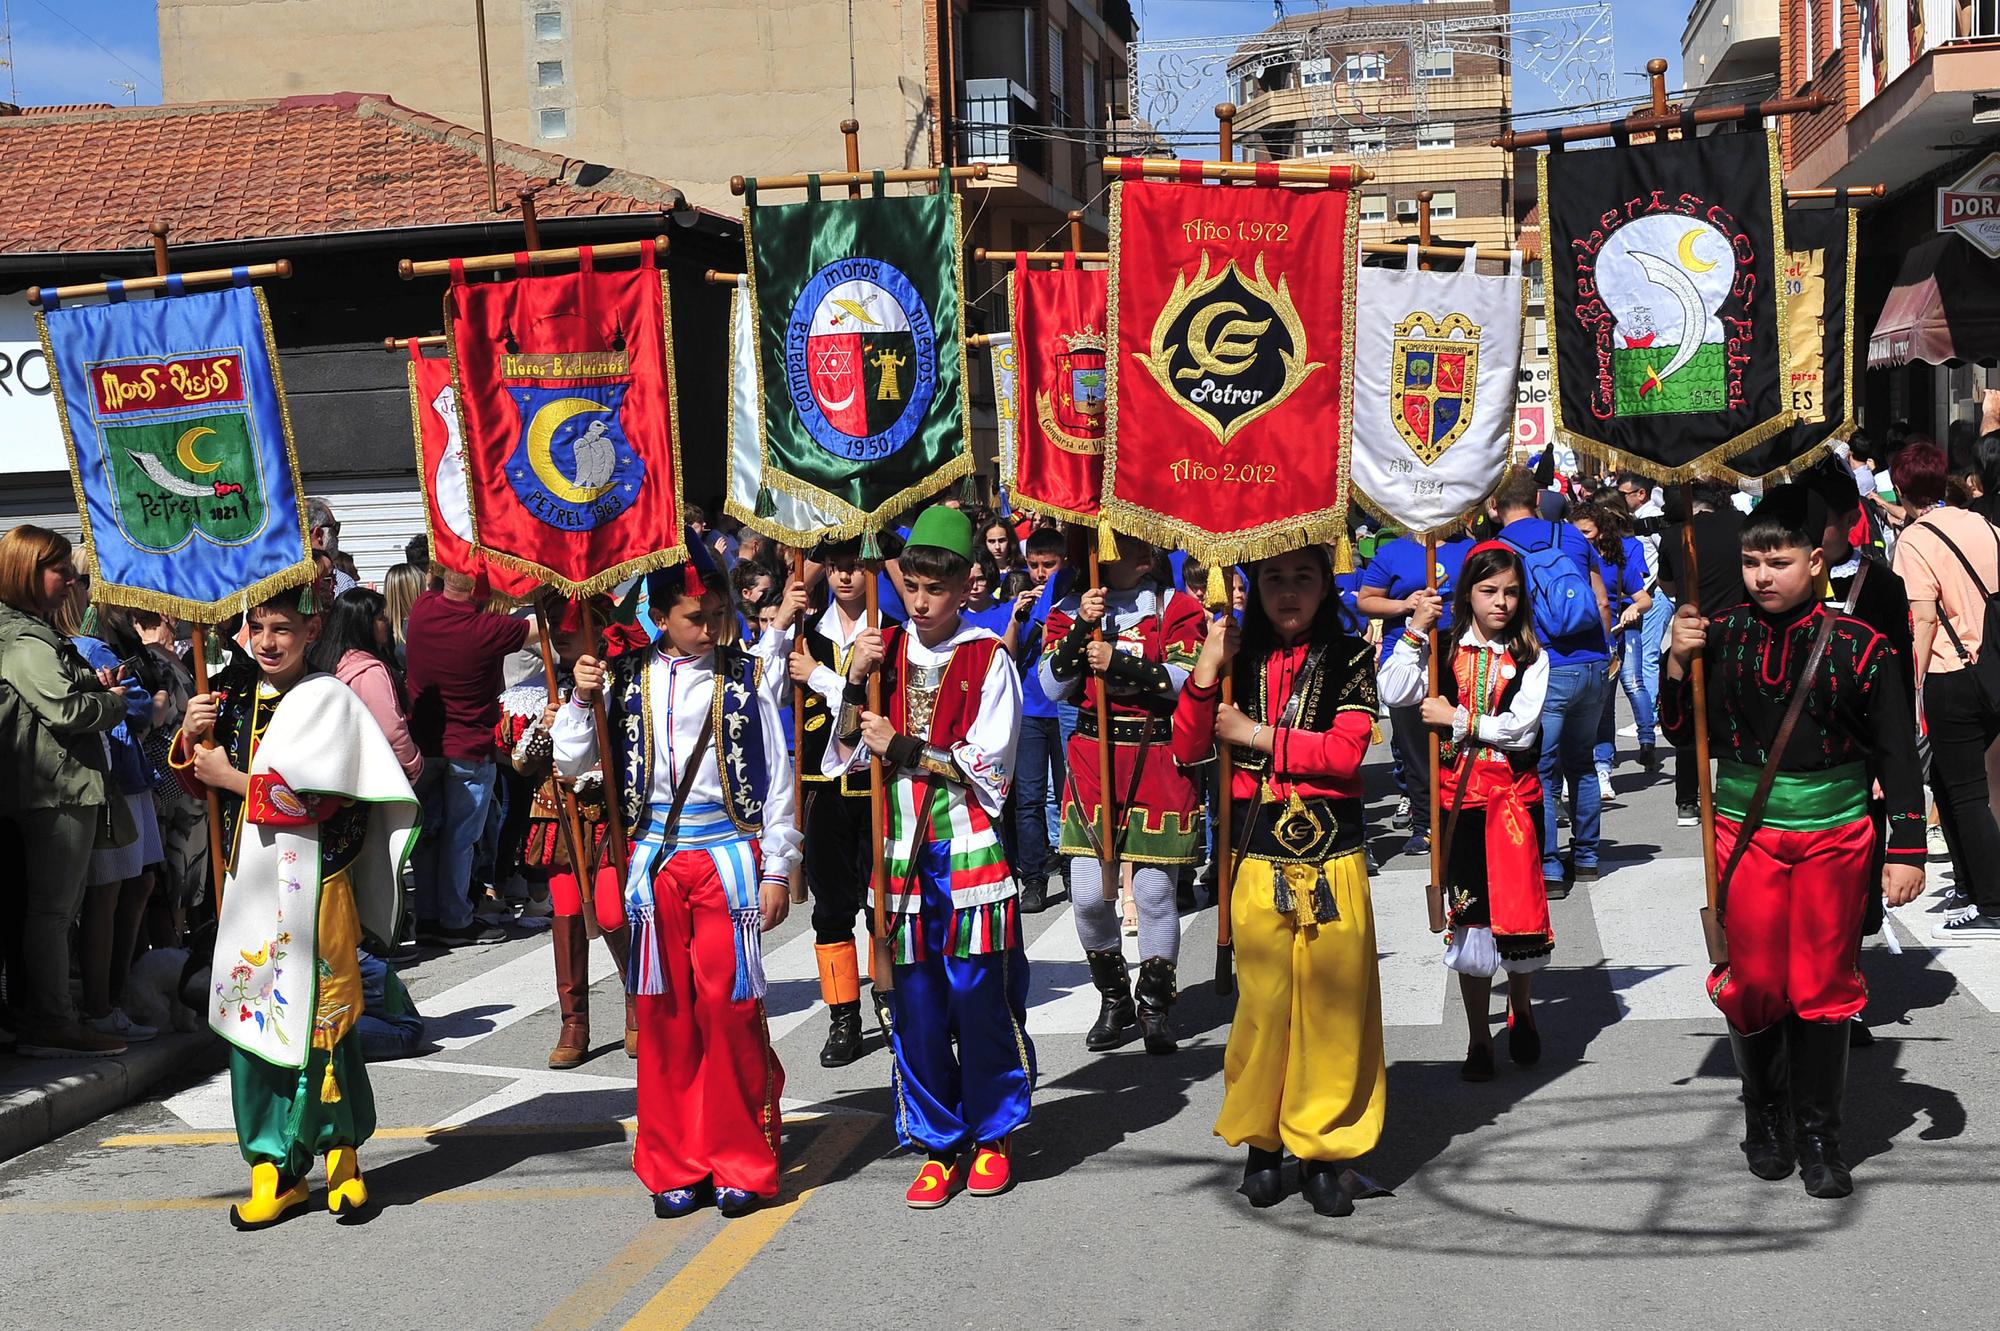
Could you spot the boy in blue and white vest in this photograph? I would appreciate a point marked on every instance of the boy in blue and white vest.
(702, 886)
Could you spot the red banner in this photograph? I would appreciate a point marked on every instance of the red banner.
(566, 393)
(441, 469)
(1059, 324)
(1232, 375)
(153, 385)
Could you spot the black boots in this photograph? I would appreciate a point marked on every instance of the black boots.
(1264, 1177)
(1767, 1110)
(1819, 1079)
(1649, 759)
(1034, 896)
(1156, 992)
(1115, 1016)
(1322, 1189)
(843, 1035)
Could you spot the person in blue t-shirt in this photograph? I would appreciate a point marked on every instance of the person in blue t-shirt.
(1628, 581)
(1038, 755)
(1580, 675)
(1392, 577)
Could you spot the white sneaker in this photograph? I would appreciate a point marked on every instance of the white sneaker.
(1603, 779)
(1935, 848)
(1629, 732)
(119, 1026)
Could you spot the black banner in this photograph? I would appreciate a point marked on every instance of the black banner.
(1664, 301)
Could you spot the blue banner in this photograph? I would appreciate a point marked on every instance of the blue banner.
(180, 450)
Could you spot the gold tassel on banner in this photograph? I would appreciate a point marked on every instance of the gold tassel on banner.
(1217, 597)
(329, 1088)
(1343, 554)
(1107, 543)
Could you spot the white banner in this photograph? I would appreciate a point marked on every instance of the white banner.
(1437, 356)
(1000, 347)
(746, 444)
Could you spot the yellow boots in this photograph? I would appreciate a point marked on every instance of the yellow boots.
(346, 1190)
(266, 1204)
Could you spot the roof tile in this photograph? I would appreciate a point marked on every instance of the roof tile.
(93, 179)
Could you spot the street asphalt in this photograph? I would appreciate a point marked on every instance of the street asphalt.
(1603, 1186)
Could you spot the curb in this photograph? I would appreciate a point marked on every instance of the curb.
(80, 1091)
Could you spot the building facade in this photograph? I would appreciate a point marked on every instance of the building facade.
(1360, 86)
(1729, 50)
(697, 94)
(1915, 92)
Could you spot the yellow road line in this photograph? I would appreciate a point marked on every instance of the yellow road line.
(134, 1205)
(708, 1273)
(571, 1128)
(594, 1301)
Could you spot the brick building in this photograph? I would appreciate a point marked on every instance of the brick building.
(1361, 86)
(1916, 106)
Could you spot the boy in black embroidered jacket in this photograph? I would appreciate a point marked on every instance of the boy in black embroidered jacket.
(1794, 904)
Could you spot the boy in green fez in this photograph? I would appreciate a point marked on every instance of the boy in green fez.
(964, 1067)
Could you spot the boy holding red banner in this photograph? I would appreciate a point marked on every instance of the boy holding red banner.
(964, 1068)
(704, 782)
(1151, 636)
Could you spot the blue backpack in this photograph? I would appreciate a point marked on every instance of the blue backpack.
(1559, 592)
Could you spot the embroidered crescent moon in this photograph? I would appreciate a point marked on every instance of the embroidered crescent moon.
(184, 451)
(1688, 259)
(1694, 314)
(541, 435)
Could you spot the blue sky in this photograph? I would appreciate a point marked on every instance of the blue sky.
(84, 50)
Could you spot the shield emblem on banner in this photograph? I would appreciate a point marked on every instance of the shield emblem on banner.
(1075, 419)
(1433, 371)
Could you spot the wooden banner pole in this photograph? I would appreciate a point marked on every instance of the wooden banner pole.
(1433, 899)
(582, 862)
(795, 562)
(197, 632)
(1225, 757)
(614, 817)
(500, 263)
(1107, 814)
(883, 973)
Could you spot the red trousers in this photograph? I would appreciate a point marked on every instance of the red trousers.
(1793, 918)
(709, 1081)
(607, 895)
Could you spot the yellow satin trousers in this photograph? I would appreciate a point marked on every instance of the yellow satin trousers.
(1304, 1069)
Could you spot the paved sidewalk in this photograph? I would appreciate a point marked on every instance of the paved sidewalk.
(42, 1098)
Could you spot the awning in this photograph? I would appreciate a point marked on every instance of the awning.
(1945, 306)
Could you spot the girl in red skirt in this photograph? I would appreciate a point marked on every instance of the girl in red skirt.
(1492, 681)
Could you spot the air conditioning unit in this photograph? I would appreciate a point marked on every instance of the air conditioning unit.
(1406, 210)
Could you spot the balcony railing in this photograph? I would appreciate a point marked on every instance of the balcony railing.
(1897, 45)
(993, 115)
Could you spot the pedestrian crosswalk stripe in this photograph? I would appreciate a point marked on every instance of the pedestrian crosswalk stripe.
(1648, 918)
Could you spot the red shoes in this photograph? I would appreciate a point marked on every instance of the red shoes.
(992, 1169)
(937, 1183)
(940, 1179)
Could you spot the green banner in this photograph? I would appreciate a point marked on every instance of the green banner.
(860, 367)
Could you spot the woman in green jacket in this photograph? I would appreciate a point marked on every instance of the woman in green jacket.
(54, 711)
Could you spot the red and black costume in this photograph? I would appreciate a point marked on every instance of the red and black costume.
(1794, 905)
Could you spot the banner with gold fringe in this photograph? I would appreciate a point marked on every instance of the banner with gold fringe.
(860, 368)
(1437, 366)
(1666, 314)
(441, 475)
(1231, 366)
(1059, 323)
(1817, 273)
(569, 421)
(180, 450)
